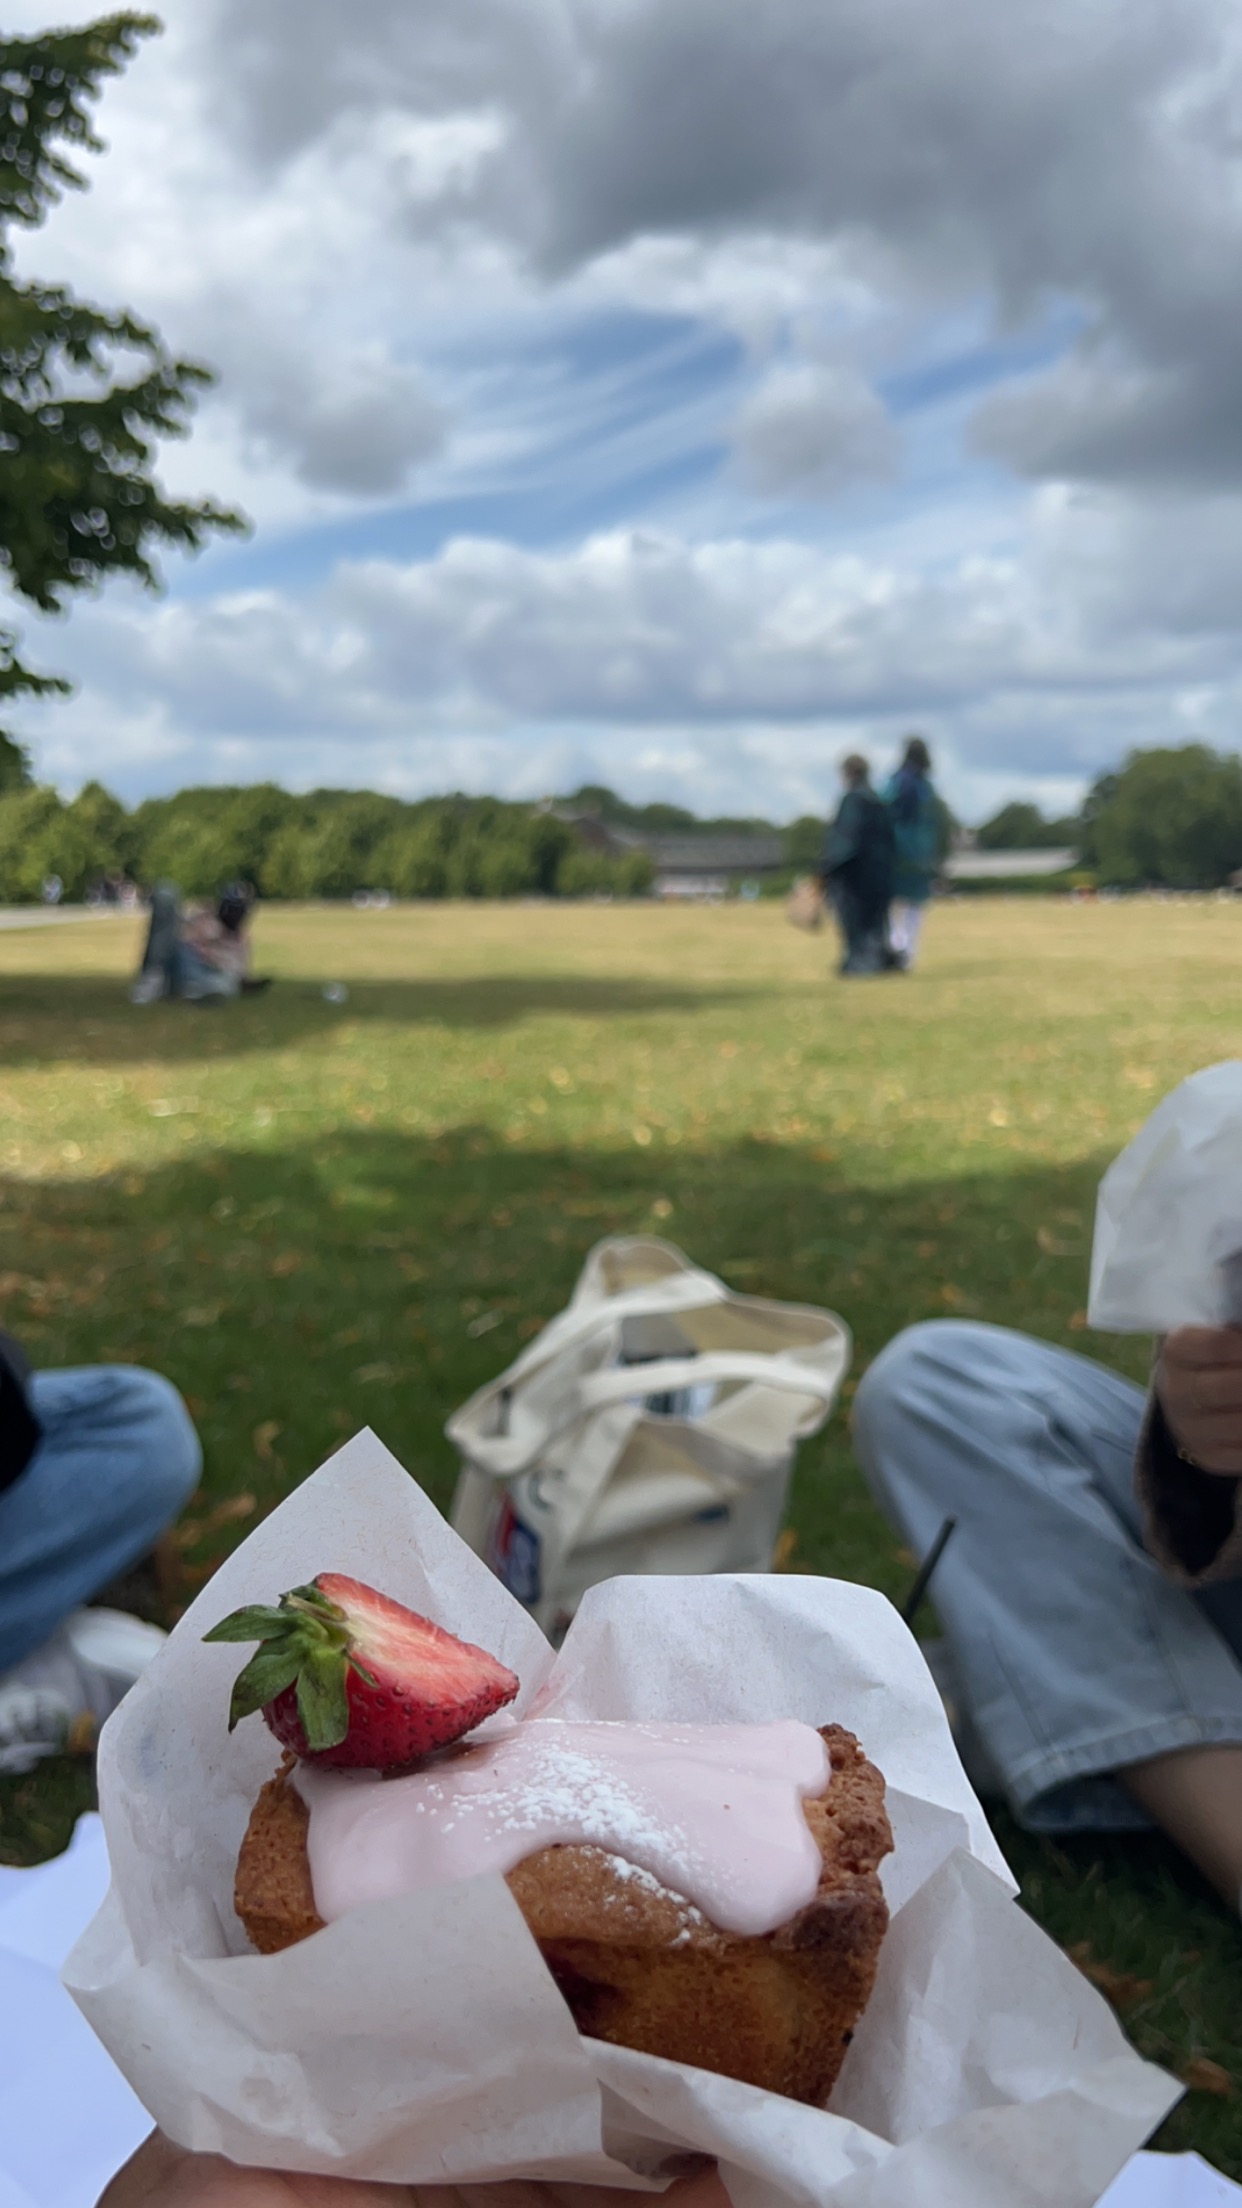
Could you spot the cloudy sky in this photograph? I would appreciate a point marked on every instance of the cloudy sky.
(674, 393)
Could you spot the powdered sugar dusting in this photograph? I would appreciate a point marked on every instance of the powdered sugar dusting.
(708, 1813)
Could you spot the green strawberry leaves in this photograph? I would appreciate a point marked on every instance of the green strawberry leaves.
(304, 1639)
(271, 1669)
(254, 1624)
(323, 1704)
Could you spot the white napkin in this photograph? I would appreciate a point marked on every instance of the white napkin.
(67, 2117)
(1168, 1221)
(1171, 2181)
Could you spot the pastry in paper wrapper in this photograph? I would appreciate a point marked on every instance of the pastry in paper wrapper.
(424, 2040)
(636, 1962)
(1168, 1223)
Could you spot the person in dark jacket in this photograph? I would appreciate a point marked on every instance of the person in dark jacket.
(919, 832)
(95, 1463)
(857, 871)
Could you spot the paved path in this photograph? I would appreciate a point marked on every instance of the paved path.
(51, 916)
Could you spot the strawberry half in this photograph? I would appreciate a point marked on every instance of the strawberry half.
(344, 1675)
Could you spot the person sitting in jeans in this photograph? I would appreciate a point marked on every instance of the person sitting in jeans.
(95, 1464)
(201, 954)
(1091, 1593)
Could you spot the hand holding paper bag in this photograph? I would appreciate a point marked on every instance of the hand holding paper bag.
(422, 2041)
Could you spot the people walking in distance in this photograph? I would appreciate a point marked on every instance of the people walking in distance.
(918, 829)
(857, 871)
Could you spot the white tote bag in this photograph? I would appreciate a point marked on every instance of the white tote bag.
(651, 1427)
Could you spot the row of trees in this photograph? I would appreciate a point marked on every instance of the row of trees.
(1167, 819)
(1021, 826)
(328, 844)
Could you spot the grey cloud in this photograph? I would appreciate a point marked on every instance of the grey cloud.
(1173, 425)
(810, 431)
(359, 433)
(345, 418)
(1047, 149)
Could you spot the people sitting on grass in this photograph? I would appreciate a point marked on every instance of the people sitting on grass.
(1091, 1591)
(201, 954)
(95, 1463)
(857, 871)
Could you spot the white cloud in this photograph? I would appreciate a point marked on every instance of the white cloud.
(710, 670)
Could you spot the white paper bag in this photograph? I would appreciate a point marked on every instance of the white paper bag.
(424, 2040)
(1168, 1222)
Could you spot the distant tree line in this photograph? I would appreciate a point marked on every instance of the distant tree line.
(1021, 826)
(1169, 818)
(1166, 819)
(330, 843)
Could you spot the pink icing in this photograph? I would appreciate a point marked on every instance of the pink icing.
(713, 1812)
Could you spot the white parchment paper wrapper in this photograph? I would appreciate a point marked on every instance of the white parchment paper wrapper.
(423, 2040)
(1168, 1217)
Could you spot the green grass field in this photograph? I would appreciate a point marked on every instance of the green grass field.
(302, 1212)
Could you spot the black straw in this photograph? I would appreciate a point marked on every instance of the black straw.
(909, 1608)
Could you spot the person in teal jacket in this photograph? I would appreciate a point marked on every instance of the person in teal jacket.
(919, 836)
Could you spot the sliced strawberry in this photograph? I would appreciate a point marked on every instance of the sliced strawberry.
(344, 1675)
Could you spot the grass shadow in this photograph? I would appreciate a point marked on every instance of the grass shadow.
(87, 1019)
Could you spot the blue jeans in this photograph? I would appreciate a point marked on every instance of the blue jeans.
(118, 1459)
(1071, 1653)
(184, 973)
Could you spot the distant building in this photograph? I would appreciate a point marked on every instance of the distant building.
(690, 889)
(687, 865)
(710, 866)
(1003, 866)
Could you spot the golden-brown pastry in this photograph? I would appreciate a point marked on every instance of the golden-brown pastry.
(642, 1967)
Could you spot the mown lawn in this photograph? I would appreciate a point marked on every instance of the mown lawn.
(318, 1216)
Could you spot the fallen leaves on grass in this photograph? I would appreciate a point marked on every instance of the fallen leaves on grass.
(378, 1375)
(783, 1553)
(202, 1314)
(263, 1440)
(1204, 2076)
(289, 1261)
(228, 1513)
(484, 1323)
(1054, 1245)
(1117, 1986)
